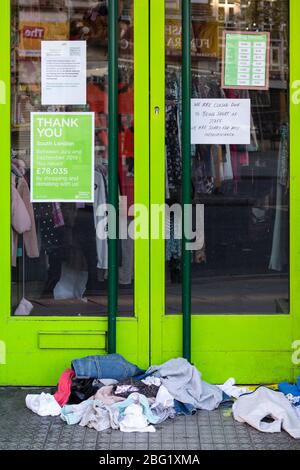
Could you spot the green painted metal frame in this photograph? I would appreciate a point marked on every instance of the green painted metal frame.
(186, 177)
(252, 348)
(34, 346)
(113, 151)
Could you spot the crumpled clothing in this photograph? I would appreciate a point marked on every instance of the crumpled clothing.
(72, 414)
(184, 383)
(134, 420)
(163, 407)
(64, 387)
(109, 366)
(99, 416)
(293, 400)
(151, 380)
(82, 390)
(106, 396)
(138, 399)
(184, 408)
(125, 388)
(232, 390)
(43, 404)
(263, 403)
(290, 389)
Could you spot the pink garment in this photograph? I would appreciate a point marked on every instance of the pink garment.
(64, 387)
(30, 236)
(105, 394)
(20, 219)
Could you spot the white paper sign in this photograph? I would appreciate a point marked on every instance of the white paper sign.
(220, 121)
(63, 72)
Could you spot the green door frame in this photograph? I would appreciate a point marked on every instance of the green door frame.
(252, 348)
(34, 350)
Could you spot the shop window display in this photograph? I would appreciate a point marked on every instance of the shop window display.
(243, 267)
(59, 267)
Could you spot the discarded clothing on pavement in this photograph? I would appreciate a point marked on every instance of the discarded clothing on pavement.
(184, 383)
(254, 407)
(43, 404)
(290, 389)
(110, 366)
(108, 392)
(64, 387)
(126, 387)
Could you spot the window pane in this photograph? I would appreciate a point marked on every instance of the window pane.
(243, 266)
(59, 263)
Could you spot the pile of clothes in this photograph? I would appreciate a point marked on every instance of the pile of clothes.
(103, 392)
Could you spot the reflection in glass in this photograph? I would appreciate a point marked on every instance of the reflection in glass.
(243, 266)
(58, 264)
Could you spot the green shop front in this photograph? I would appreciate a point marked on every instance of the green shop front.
(153, 103)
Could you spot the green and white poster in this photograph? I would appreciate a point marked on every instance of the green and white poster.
(62, 157)
(246, 58)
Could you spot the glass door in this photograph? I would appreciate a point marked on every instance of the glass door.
(239, 286)
(57, 63)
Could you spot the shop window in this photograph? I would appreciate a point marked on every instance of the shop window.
(59, 263)
(243, 265)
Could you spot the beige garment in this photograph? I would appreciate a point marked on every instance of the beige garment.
(29, 237)
(105, 394)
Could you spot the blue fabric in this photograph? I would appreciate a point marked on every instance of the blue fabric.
(289, 389)
(110, 366)
(184, 408)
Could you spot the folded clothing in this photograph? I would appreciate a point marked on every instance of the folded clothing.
(110, 366)
(43, 404)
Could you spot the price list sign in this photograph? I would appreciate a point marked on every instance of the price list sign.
(246, 59)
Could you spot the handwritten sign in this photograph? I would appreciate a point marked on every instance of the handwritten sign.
(220, 121)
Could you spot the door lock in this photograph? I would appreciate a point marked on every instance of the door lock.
(156, 110)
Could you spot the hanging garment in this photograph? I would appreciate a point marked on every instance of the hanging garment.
(110, 366)
(174, 163)
(29, 236)
(43, 404)
(99, 219)
(52, 239)
(263, 403)
(58, 217)
(184, 383)
(64, 387)
(126, 270)
(279, 256)
(20, 220)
